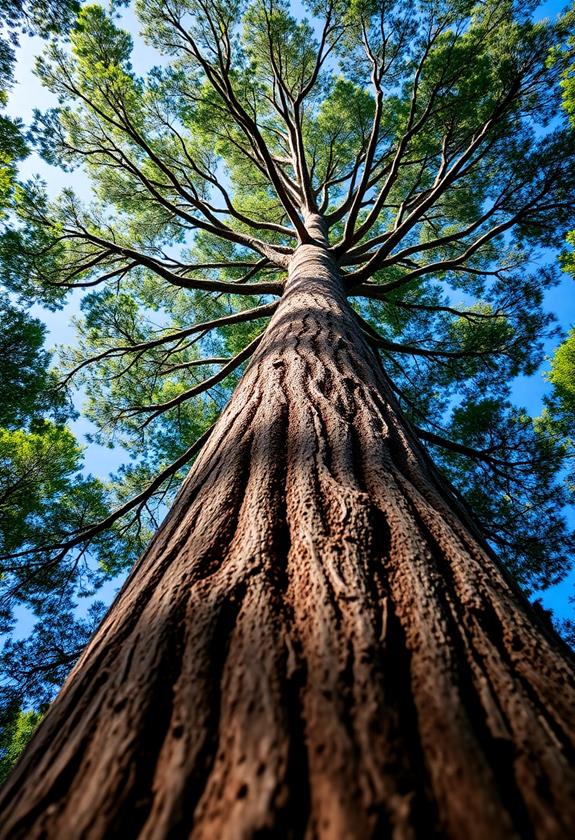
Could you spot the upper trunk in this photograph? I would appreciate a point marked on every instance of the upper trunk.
(315, 644)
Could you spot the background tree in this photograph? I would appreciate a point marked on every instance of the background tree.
(399, 155)
(42, 489)
(559, 412)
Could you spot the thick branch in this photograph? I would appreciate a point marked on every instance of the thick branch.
(159, 268)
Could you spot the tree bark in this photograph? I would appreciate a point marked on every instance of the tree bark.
(316, 643)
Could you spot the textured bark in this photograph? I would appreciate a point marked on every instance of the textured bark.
(316, 644)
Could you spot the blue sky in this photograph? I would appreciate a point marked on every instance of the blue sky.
(27, 94)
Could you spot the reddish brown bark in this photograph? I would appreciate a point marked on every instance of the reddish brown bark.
(316, 644)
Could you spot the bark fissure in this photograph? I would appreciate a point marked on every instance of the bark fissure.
(485, 717)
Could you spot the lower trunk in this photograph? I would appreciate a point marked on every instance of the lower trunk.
(316, 644)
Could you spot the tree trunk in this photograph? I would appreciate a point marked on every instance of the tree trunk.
(316, 644)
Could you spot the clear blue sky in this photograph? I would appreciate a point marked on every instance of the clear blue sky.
(28, 94)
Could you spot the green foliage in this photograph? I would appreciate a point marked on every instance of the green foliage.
(27, 388)
(42, 17)
(43, 491)
(560, 408)
(515, 489)
(12, 149)
(16, 729)
(562, 376)
(31, 17)
(180, 178)
(560, 411)
(35, 469)
(34, 668)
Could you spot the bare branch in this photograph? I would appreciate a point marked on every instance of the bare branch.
(161, 269)
(179, 336)
(200, 387)
(87, 534)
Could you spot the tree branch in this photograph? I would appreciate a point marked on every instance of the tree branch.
(205, 326)
(200, 387)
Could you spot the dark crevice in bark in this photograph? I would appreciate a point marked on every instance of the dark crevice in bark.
(357, 456)
(413, 774)
(276, 570)
(491, 624)
(499, 753)
(346, 681)
(21, 829)
(138, 776)
(183, 507)
(322, 443)
(292, 823)
(196, 783)
(380, 550)
(214, 558)
(292, 819)
(395, 665)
